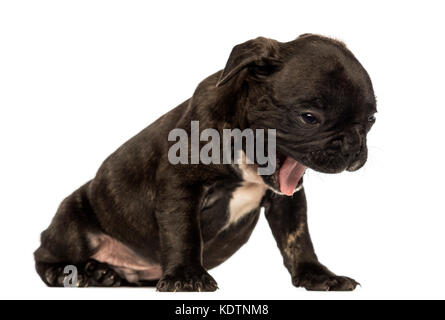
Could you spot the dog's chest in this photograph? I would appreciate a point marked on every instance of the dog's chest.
(228, 202)
(248, 195)
(245, 198)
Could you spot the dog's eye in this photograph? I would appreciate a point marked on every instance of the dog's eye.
(309, 118)
(371, 119)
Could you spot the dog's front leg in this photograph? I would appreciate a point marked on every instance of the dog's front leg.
(288, 221)
(181, 244)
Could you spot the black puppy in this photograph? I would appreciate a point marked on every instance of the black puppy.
(143, 218)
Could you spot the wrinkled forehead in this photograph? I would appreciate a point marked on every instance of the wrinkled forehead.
(330, 79)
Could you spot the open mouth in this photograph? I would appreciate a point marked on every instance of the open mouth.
(290, 175)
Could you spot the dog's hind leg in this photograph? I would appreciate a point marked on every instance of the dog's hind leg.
(89, 274)
(65, 243)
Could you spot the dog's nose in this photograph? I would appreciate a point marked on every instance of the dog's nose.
(351, 146)
(345, 146)
(350, 143)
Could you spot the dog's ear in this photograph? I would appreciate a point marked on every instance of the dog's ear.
(260, 55)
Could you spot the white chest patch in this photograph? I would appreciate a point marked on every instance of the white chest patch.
(248, 196)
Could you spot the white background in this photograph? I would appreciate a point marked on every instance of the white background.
(79, 78)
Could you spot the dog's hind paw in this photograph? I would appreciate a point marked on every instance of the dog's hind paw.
(101, 275)
(187, 279)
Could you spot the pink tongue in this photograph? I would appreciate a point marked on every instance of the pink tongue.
(290, 174)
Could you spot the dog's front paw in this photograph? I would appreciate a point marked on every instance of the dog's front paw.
(316, 277)
(187, 279)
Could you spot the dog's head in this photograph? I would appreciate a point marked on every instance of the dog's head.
(316, 95)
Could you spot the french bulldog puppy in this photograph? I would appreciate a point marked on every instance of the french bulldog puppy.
(144, 220)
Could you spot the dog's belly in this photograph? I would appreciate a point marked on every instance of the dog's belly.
(226, 224)
(125, 261)
(229, 240)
